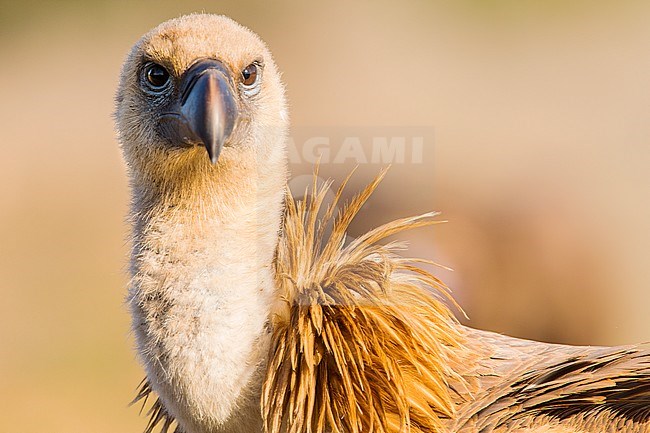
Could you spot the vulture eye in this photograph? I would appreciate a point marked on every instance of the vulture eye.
(249, 75)
(156, 76)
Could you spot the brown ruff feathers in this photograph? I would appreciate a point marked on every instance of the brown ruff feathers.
(359, 343)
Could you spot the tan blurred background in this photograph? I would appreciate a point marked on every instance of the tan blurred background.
(538, 153)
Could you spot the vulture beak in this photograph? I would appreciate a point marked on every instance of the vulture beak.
(208, 108)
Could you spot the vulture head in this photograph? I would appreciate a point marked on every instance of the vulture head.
(199, 94)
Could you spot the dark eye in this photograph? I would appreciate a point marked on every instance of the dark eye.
(157, 76)
(249, 75)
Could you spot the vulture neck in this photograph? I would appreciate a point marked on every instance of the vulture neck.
(202, 266)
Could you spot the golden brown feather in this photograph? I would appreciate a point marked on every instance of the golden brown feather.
(359, 343)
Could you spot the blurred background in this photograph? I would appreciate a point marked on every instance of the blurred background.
(535, 124)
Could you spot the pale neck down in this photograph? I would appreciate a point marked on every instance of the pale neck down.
(203, 285)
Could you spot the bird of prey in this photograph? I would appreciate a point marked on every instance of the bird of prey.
(253, 313)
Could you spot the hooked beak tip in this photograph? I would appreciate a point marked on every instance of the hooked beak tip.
(213, 152)
(209, 105)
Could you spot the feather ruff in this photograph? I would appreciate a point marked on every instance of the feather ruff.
(360, 341)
